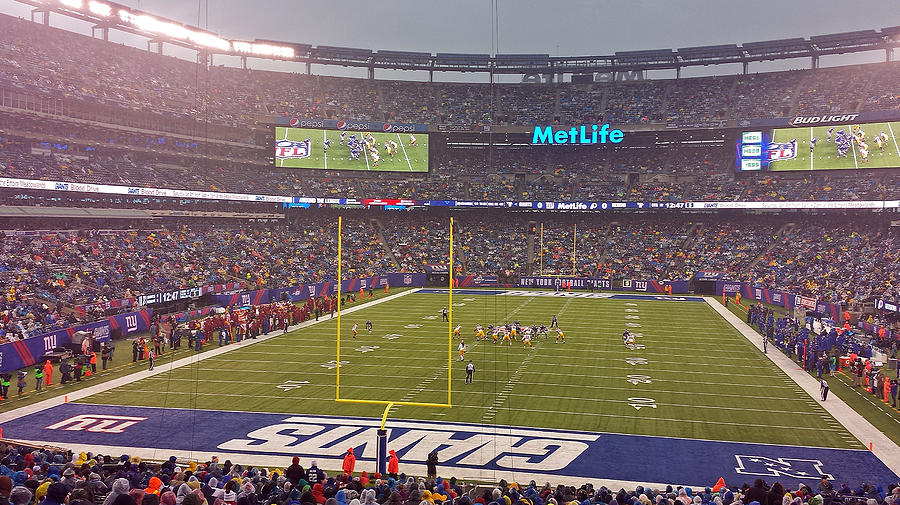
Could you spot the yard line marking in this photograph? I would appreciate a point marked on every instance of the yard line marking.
(510, 384)
(894, 138)
(404, 153)
(365, 150)
(324, 149)
(549, 374)
(810, 151)
(569, 412)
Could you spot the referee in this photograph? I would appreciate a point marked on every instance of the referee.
(470, 372)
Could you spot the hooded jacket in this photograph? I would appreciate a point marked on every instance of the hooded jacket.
(393, 462)
(153, 486)
(119, 486)
(349, 461)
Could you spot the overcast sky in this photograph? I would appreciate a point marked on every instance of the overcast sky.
(557, 27)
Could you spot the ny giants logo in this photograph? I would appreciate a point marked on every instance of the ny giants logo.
(131, 323)
(522, 450)
(99, 423)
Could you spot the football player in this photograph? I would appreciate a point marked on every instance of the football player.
(412, 140)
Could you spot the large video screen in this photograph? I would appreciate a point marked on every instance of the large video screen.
(832, 147)
(350, 150)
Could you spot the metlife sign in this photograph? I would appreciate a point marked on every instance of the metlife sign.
(583, 135)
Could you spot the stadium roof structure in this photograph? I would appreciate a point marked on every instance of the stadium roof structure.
(158, 30)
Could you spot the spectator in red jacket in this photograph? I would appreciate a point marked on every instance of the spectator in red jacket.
(349, 462)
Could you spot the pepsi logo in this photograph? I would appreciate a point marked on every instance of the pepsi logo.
(294, 122)
(342, 125)
(386, 127)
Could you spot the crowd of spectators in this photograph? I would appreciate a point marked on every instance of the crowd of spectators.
(38, 59)
(43, 273)
(47, 476)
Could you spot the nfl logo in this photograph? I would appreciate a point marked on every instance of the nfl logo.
(291, 149)
(779, 151)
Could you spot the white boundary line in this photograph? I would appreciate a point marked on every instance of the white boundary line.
(896, 148)
(404, 153)
(810, 151)
(365, 150)
(882, 447)
(167, 367)
(324, 148)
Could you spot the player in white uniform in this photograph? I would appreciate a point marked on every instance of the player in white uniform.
(457, 330)
(627, 338)
(526, 338)
(355, 327)
(412, 140)
(462, 349)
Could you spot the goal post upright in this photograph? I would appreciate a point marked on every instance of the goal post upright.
(337, 383)
(450, 320)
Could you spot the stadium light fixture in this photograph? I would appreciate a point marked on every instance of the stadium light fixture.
(152, 25)
(74, 4)
(99, 8)
(257, 49)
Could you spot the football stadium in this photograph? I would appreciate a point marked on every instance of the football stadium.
(260, 260)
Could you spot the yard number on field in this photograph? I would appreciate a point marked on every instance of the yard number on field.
(638, 403)
(291, 384)
(636, 361)
(639, 379)
(331, 365)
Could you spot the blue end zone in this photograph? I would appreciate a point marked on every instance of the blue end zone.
(561, 294)
(592, 456)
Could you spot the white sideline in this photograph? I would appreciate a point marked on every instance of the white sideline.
(882, 447)
(166, 367)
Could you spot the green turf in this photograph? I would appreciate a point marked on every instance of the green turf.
(707, 381)
(407, 159)
(825, 153)
(120, 366)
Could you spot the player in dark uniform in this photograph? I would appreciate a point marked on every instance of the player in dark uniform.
(812, 144)
(369, 326)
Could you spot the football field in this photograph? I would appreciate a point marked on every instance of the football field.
(825, 154)
(690, 375)
(408, 158)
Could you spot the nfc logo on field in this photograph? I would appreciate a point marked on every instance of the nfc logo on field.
(788, 467)
(96, 423)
